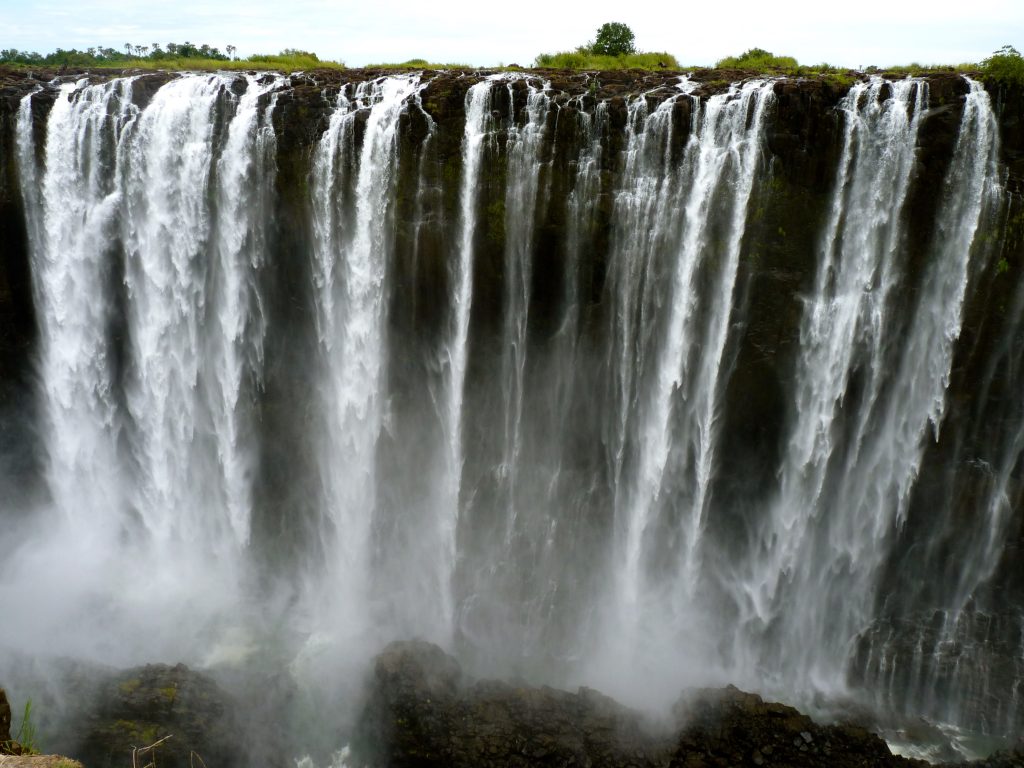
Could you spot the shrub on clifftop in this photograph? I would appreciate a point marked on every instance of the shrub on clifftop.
(758, 59)
(1004, 66)
(612, 48)
(584, 60)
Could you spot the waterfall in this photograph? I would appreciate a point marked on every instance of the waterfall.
(194, 247)
(843, 334)
(526, 335)
(150, 239)
(167, 228)
(73, 221)
(580, 220)
(242, 210)
(502, 520)
(194, 309)
(928, 681)
(971, 184)
(668, 392)
(523, 186)
(852, 461)
(352, 194)
(478, 102)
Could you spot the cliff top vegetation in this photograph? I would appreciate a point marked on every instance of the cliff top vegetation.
(613, 48)
(173, 56)
(419, 64)
(1005, 66)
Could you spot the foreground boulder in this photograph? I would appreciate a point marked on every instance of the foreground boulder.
(423, 712)
(157, 711)
(729, 727)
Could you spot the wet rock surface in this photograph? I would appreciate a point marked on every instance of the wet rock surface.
(730, 727)
(423, 711)
(112, 715)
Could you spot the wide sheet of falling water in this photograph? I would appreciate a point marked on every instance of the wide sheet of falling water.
(147, 241)
(532, 484)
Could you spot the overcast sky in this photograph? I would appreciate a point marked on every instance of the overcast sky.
(860, 33)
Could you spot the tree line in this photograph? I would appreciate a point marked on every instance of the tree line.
(97, 55)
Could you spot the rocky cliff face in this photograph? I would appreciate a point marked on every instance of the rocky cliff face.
(563, 312)
(16, 306)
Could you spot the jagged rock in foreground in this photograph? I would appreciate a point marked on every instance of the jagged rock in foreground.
(136, 708)
(730, 727)
(422, 711)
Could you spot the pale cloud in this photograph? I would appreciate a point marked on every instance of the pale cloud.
(868, 32)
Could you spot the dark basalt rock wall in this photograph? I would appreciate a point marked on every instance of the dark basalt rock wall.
(18, 331)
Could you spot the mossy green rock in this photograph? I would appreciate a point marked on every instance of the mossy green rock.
(183, 710)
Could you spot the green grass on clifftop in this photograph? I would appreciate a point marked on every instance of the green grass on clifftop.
(1005, 66)
(276, 63)
(757, 59)
(585, 60)
(286, 61)
(418, 64)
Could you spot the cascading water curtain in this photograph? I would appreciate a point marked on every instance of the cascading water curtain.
(668, 219)
(147, 244)
(852, 463)
(939, 667)
(515, 444)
